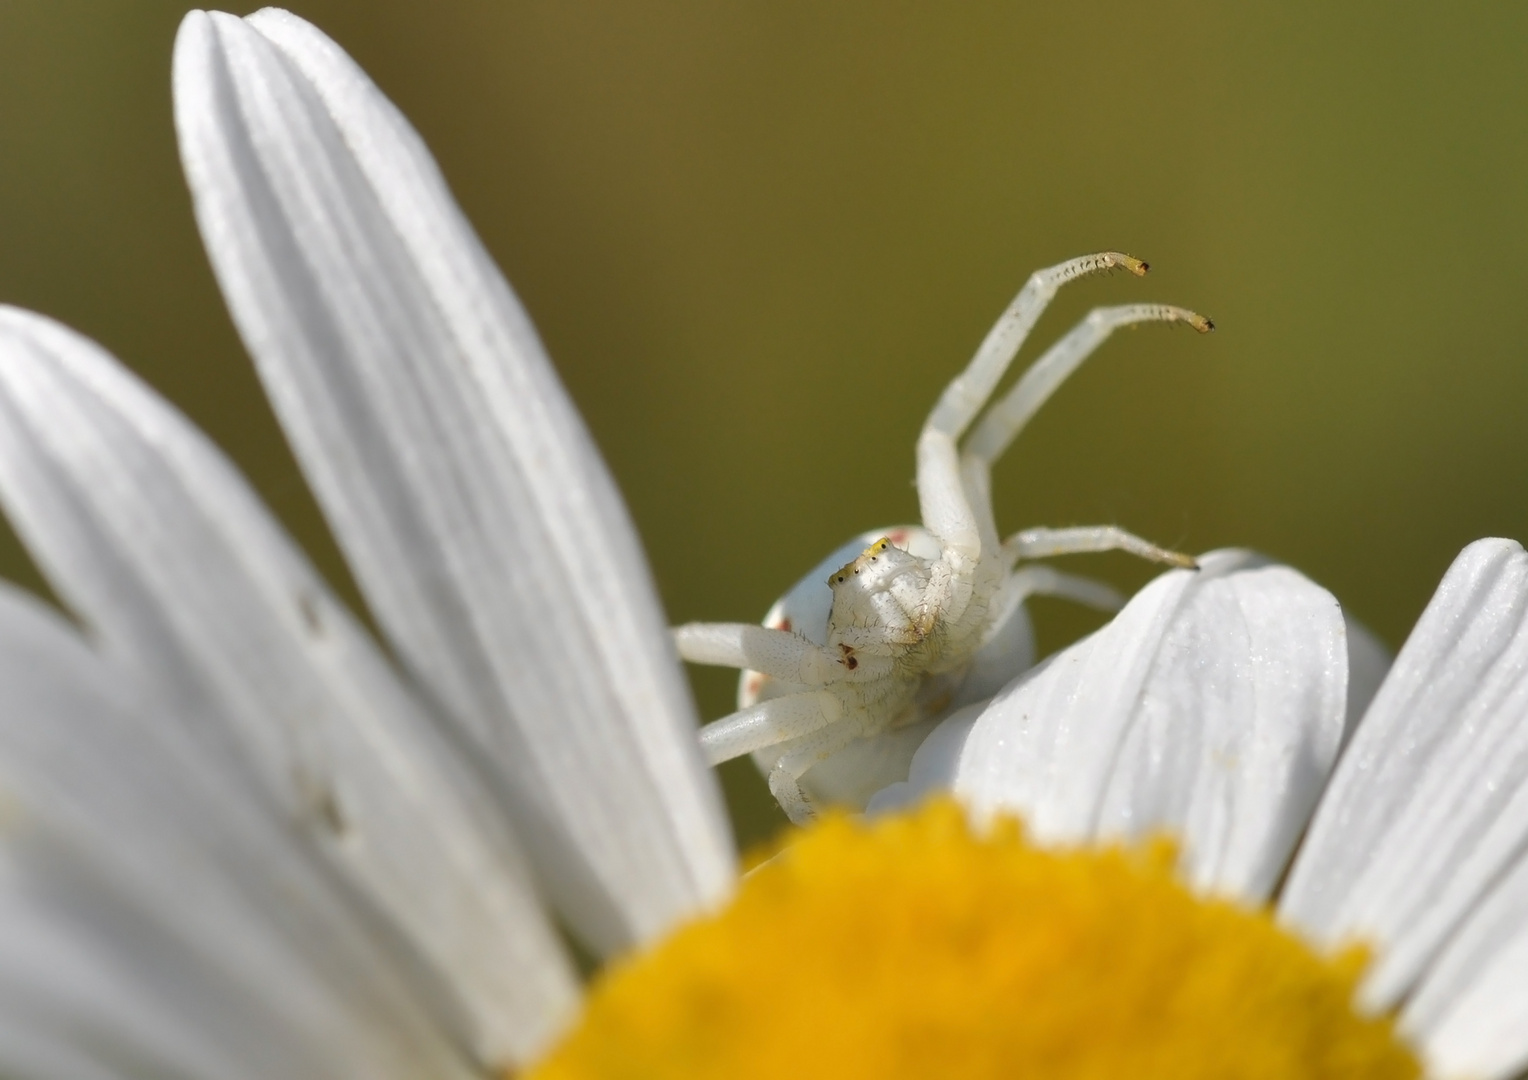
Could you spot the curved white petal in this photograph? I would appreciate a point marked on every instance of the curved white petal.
(935, 763)
(1211, 707)
(159, 545)
(1429, 804)
(473, 506)
(153, 923)
(1469, 1011)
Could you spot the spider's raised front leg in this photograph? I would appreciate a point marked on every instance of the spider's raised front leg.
(1009, 416)
(955, 507)
(969, 390)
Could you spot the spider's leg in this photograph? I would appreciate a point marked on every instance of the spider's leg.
(1040, 543)
(1039, 580)
(1007, 648)
(785, 776)
(776, 653)
(768, 724)
(969, 391)
(954, 512)
(945, 505)
(787, 792)
(1007, 417)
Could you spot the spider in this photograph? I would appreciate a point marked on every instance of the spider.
(922, 619)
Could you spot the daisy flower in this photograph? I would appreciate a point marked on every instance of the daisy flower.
(241, 840)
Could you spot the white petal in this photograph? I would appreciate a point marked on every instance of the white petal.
(458, 478)
(935, 764)
(1429, 804)
(92, 980)
(143, 908)
(157, 542)
(1211, 707)
(1469, 1012)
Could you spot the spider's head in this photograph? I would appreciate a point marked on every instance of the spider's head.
(883, 586)
(876, 563)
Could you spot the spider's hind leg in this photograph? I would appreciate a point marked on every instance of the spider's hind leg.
(785, 777)
(1042, 580)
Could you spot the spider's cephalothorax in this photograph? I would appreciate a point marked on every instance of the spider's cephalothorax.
(856, 663)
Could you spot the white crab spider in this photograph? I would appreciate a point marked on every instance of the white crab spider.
(922, 619)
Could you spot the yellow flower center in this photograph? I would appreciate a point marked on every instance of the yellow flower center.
(914, 947)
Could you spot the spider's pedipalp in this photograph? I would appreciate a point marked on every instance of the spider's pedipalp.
(768, 723)
(1041, 543)
(1007, 417)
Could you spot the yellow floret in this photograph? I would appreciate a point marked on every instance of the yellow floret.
(913, 947)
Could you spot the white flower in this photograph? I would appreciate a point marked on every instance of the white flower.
(238, 842)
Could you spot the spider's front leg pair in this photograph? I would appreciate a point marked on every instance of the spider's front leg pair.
(886, 642)
(954, 481)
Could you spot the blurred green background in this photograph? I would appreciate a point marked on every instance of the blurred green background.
(760, 237)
